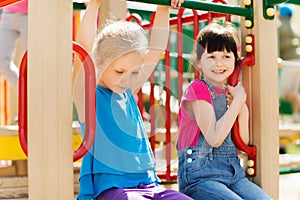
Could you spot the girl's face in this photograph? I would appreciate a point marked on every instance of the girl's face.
(217, 66)
(122, 73)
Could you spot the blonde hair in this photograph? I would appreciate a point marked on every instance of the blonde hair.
(117, 39)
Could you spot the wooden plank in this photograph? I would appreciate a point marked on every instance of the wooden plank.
(289, 130)
(289, 161)
(9, 130)
(17, 168)
(17, 187)
(22, 181)
(13, 182)
(50, 100)
(264, 102)
(14, 193)
(8, 171)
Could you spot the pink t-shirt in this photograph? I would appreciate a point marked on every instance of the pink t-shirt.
(19, 7)
(188, 127)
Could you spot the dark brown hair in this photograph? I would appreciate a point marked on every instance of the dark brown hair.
(215, 37)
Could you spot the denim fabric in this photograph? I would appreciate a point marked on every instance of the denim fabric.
(215, 173)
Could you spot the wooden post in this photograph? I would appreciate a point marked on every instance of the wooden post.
(49, 100)
(262, 81)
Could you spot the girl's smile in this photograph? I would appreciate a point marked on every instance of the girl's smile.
(219, 71)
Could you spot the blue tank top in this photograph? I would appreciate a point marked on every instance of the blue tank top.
(121, 155)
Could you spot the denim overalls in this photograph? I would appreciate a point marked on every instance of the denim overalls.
(215, 173)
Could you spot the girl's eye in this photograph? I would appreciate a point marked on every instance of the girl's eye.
(227, 56)
(210, 57)
(135, 72)
(119, 72)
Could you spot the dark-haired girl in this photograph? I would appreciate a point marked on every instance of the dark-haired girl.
(209, 167)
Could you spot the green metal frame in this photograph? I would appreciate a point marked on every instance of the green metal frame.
(247, 11)
(289, 170)
(270, 5)
(79, 6)
(296, 2)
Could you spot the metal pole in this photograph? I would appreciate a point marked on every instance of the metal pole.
(206, 6)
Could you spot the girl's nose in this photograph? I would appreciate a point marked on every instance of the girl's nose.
(125, 78)
(218, 63)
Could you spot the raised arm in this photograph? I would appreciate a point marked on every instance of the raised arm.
(157, 44)
(85, 36)
(160, 33)
(87, 30)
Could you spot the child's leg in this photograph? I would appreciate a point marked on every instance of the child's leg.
(142, 192)
(250, 191)
(123, 194)
(211, 190)
(167, 194)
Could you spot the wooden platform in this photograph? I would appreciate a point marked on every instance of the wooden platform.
(289, 163)
(287, 129)
(16, 187)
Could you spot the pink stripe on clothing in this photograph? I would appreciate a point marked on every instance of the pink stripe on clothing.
(188, 127)
(19, 7)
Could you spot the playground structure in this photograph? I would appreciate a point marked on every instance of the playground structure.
(50, 168)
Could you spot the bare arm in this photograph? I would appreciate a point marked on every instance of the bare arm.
(157, 45)
(215, 132)
(85, 36)
(158, 42)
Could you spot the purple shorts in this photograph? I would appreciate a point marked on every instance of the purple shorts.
(142, 192)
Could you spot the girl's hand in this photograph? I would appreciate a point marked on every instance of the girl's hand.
(176, 3)
(237, 92)
(229, 97)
